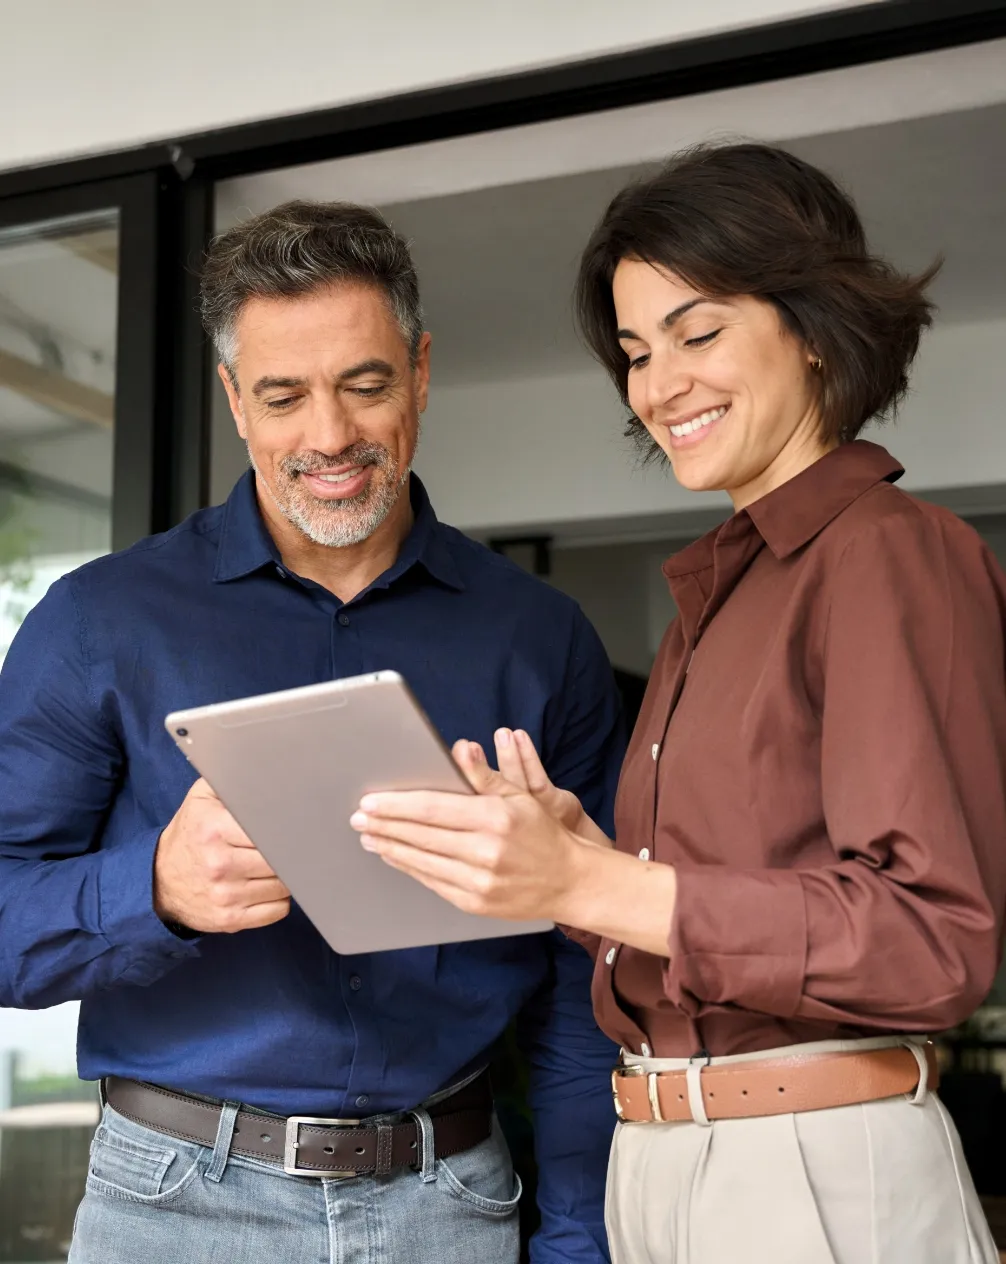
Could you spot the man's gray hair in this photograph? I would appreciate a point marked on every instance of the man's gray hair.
(300, 247)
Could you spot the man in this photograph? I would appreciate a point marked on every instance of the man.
(212, 1008)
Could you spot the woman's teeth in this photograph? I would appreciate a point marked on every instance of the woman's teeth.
(341, 478)
(707, 418)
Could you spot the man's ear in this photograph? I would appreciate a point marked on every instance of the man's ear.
(234, 399)
(421, 372)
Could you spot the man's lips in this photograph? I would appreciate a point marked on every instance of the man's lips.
(340, 483)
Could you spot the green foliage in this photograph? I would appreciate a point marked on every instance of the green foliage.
(16, 568)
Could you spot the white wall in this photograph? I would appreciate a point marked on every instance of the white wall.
(83, 77)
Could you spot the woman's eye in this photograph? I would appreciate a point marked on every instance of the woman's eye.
(638, 362)
(702, 339)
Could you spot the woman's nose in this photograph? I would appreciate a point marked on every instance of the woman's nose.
(666, 380)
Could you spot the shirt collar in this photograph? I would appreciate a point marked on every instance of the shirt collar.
(246, 546)
(791, 515)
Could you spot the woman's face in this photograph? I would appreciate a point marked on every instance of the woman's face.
(721, 384)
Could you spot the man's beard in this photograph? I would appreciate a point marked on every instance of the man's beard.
(336, 523)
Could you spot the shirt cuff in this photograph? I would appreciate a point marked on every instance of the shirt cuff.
(127, 916)
(737, 938)
(585, 938)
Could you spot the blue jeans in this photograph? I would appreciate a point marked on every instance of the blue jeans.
(151, 1199)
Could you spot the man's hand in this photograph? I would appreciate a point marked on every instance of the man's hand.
(522, 772)
(208, 874)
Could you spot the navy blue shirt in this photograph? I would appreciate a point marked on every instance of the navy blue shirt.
(272, 1017)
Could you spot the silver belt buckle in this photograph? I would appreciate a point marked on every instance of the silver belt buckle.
(292, 1144)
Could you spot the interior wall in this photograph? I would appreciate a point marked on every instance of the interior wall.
(196, 65)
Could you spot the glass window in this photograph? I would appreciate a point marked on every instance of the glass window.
(58, 301)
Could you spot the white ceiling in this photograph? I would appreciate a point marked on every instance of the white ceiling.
(497, 265)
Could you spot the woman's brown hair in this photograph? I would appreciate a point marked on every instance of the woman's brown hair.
(753, 219)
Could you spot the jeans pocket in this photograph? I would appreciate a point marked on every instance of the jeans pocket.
(483, 1178)
(138, 1164)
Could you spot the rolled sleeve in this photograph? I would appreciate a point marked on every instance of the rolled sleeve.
(737, 938)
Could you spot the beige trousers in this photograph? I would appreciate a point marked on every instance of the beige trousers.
(881, 1183)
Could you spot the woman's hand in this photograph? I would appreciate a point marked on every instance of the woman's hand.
(498, 855)
(503, 855)
(521, 771)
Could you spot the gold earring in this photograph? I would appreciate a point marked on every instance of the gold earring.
(817, 364)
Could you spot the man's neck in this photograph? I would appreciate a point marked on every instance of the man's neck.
(344, 570)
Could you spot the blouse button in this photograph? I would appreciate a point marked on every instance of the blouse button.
(655, 749)
(644, 854)
(609, 959)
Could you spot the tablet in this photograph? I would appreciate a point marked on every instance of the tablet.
(291, 768)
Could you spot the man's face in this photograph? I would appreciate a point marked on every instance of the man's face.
(329, 406)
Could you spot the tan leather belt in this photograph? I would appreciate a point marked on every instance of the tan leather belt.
(770, 1086)
(308, 1145)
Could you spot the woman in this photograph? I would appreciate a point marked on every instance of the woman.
(810, 869)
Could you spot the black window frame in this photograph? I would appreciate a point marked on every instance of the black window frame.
(165, 192)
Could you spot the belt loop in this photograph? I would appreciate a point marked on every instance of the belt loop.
(385, 1136)
(428, 1159)
(222, 1145)
(918, 1098)
(696, 1104)
(102, 1094)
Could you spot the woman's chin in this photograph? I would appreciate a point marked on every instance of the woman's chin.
(694, 474)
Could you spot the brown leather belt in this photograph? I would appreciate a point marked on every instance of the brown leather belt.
(770, 1086)
(305, 1144)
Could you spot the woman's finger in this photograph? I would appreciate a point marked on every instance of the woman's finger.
(421, 863)
(435, 807)
(508, 757)
(470, 759)
(462, 898)
(427, 838)
(536, 778)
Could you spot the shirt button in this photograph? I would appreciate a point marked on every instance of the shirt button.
(655, 749)
(355, 982)
(344, 620)
(609, 959)
(363, 1100)
(644, 854)
(644, 1050)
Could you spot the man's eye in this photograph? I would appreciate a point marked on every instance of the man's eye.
(368, 392)
(285, 402)
(702, 340)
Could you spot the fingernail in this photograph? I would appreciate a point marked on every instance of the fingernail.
(358, 820)
(503, 737)
(368, 803)
(476, 752)
(368, 842)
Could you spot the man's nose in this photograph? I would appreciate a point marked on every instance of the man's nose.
(329, 426)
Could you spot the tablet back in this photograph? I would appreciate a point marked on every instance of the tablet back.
(291, 768)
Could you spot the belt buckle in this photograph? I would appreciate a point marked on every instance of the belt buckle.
(292, 1144)
(620, 1072)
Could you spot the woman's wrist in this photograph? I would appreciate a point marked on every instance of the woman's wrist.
(619, 897)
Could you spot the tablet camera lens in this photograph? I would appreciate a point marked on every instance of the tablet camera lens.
(182, 732)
